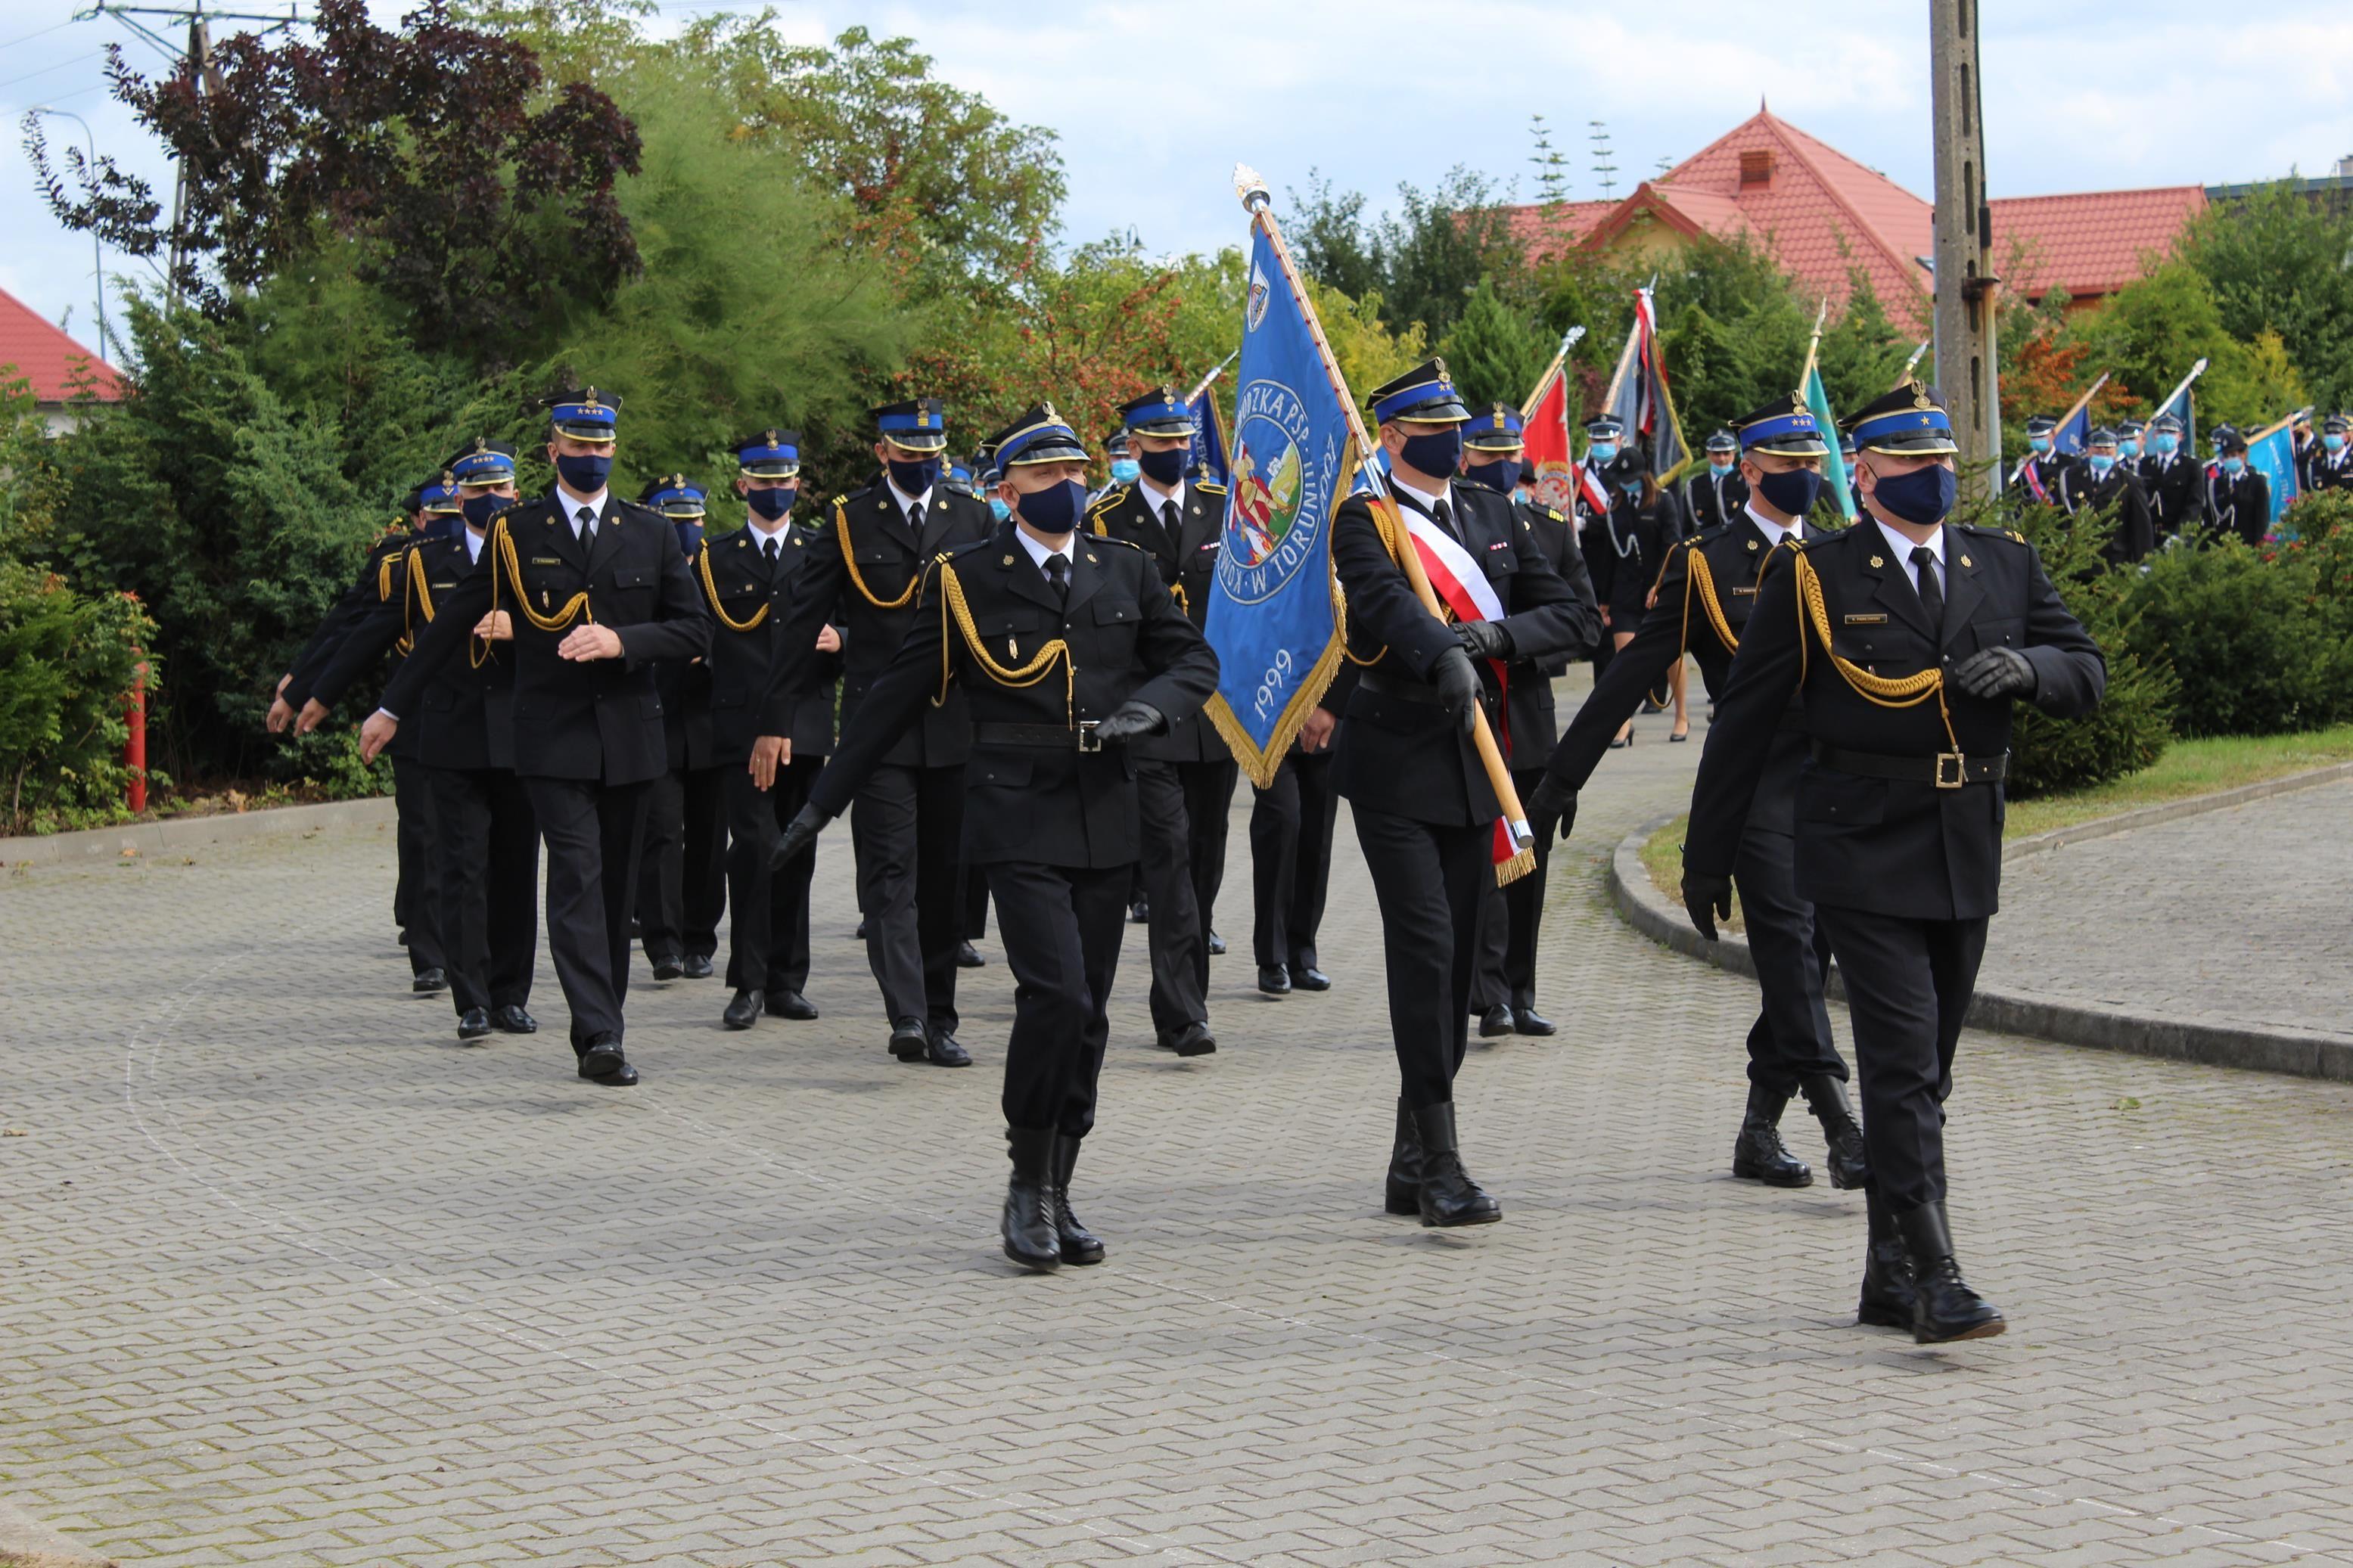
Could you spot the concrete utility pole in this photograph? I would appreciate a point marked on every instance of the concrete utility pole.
(1965, 284)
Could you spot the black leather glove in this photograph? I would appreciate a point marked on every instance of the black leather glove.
(1706, 899)
(1457, 686)
(1996, 672)
(1551, 806)
(800, 836)
(1484, 639)
(1128, 721)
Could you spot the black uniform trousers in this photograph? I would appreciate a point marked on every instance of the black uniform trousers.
(1428, 879)
(768, 920)
(416, 905)
(683, 882)
(972, 898)
(907, 827)
(594, 833)
(487, 868)
(1909, 982)
(1509, 920)
(1291, 858)
(1791, 1038)
(1061, 927)
(1184, 807)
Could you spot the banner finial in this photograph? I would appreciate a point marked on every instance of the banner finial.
(1251, 186)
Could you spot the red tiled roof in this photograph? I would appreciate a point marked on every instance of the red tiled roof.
(2089, 243)
(1821, 216)
(30, 347)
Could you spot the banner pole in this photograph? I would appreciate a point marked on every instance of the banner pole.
(1259, 204)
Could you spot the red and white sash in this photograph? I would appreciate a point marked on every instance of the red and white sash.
(1455, 577)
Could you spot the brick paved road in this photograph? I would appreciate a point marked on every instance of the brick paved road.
(2235, 917)
(288, 1277)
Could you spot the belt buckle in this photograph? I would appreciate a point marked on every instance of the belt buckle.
(1087, 739)
(1959, 770)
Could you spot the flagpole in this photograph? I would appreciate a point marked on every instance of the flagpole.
(1814, 343)
(1259, 202)
(1559, 358)
(1625, 362)
(1215, 371)
(2195, 371)
(1913, 363)
(2080, 403)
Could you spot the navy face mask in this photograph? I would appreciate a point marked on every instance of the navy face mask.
(585, 476)
(1163, 468)
(1922, 497)
(1435, 453)
(913, 479)
(1503, 475)
(772, 503)
(443, 525)
(1792, 493)
(480, 509)
(1055, 509)
(689, 534)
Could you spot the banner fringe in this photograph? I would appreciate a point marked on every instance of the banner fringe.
(1510, 871)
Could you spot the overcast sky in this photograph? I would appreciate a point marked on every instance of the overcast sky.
(1154, 102)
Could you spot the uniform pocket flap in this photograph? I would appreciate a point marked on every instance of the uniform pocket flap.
(1001, 772)
(632, 577)
(1109, 612)
(1009, 621)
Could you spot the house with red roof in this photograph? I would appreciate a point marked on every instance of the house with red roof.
(62, 373)
(1826, 219)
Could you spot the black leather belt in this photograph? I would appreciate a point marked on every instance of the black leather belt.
(1052, 737)
(1946, 770)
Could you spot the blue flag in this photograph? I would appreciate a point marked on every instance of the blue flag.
(1273, 616)
(1208, 457)
(2272, 455)
(2075, 434)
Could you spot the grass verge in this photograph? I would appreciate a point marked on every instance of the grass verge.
(2188, 768)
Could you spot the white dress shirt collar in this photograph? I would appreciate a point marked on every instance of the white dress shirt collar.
(763, 531)
(1038, 551)
(906, 500)
(1776, 533)
(1157, 499)
(473, 545)
(572, 505)
(1903, 546)
(1428, 500)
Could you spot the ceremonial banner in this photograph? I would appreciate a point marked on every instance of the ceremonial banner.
(1818, 404)
(1639, 398)
(2074, 432)
(2272, 455)
(1209, 456)
(1544, 418)
(1274, 614)
(2183, 405)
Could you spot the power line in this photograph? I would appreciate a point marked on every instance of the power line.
(77, 59)
(44, 33)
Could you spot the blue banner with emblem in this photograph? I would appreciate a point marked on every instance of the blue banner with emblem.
(1209, 456)
(2272, 455)
(1274, 614)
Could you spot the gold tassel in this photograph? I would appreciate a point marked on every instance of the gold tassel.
(1510, 871)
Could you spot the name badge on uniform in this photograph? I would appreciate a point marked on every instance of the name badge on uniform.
(1864, 620)
(547, 561)
(1737, 592)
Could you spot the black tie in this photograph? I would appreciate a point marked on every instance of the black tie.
(1058, 573)
(1445, 516)
(916, 521)
(772, 552)
(587, 527)
(1932, 593)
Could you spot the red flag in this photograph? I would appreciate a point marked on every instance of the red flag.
(1546, 431)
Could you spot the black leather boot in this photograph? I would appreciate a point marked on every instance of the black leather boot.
(1402, 1193)
(1944, 1308)
(1826, 1097)
(1758, 1154)
(1078, 1244)
(1029, 1222)
(1448, 1195)
(1886, 1301)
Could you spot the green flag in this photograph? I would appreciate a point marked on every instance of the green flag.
(1818, 404)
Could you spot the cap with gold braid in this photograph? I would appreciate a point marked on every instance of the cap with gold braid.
(919, 424)
(1423, 396)
(1159, 412)
(584, 416)
(1905, 423)
(1497, 430)
(484, 464)
(769, 454)
(1785, 425)
(1040, 435)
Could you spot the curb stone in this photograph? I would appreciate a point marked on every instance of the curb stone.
(24, 1543)
(2306, 1053)
(176, 834)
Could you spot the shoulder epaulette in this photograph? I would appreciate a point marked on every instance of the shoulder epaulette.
(1110, 498)
(1209, 487)
(1115, 538)
(841, 501)
(1555, 514)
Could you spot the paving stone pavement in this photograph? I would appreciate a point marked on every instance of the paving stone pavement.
(2235, 917)
(288, 1277)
